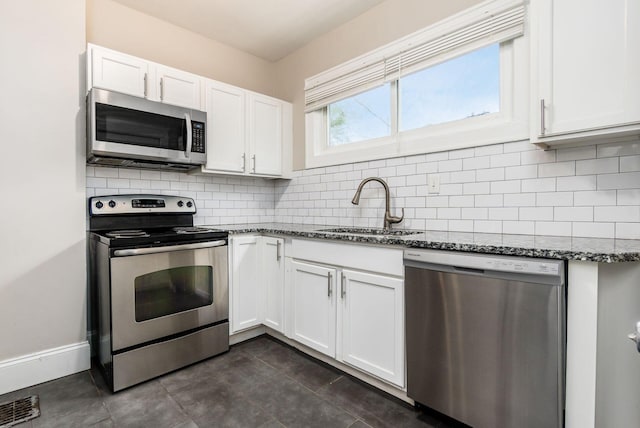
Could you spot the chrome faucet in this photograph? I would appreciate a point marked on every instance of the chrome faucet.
(388, 218)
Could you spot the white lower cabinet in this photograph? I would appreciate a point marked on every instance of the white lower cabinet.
(349, 312)
(372, 308)
(314, 306)
(257, 281)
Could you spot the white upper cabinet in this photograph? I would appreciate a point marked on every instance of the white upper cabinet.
(248, 133)
(587, 61)
(128, 74)
(226, 130)
(118, 72)
(265, 134)
(178, 87)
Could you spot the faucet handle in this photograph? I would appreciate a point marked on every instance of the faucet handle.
(393, 219)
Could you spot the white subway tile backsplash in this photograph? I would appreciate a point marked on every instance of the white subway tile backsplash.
(553, 228)
(627, 197)
(576, 153)
(600, 197)
(617, 213)
(520, 172)
(518, 227)
(536, 213)
(507, 159)
(594, 230)
(554, 199)
(628, 230)
(490, 174)
(630, 163)
(597, 166)
(513, 188)
(625, 180)
(573, 214)
(538, 185)
(576, 183)
(508, 186)
(557, 169)
(487, 226)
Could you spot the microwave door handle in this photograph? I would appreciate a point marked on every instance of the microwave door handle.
(187, 151)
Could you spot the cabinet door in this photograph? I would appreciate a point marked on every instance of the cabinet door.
(314, 307)
(265, 135)
(373, 324)
(246, 283)
(178, 87)
(119, 72)
(225, 127)
(589, 63)
(273, 279)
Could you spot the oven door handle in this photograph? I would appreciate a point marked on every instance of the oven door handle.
(165, 249)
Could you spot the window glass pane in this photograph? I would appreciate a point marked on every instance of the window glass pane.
(361, 117)
(463, 87)
(170, 291)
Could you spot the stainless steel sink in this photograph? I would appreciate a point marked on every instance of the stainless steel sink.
(364, 231)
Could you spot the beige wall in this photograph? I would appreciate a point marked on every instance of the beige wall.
(118, 27)
(381, 25)
(42, 178)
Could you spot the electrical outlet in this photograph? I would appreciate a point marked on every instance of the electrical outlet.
(433, 183)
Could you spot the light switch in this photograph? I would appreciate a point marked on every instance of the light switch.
(433, 183)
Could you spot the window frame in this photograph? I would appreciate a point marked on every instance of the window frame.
(507, 125)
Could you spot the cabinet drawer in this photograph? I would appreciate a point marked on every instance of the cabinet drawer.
(367, 258)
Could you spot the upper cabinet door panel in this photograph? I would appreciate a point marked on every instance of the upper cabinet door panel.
(265, 133)
(225, 127)
(119, 72)
(589, 63)
(178, 87)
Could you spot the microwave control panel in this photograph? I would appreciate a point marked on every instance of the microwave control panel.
(197, 137)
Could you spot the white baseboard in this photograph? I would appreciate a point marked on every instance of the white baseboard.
(247, 334)
(43, 366)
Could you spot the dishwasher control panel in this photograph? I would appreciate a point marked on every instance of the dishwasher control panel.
(486, 262)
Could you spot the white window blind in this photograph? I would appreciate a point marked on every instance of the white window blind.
(488, 23)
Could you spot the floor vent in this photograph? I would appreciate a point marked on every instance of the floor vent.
(18, 411)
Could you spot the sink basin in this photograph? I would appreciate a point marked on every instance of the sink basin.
(363, 231)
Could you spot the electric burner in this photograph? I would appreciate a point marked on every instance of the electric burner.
(127, 234)
(191, 229)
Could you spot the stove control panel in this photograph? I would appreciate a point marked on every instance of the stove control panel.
(140, 204)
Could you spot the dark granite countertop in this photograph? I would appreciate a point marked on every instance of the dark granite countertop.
(551, 247)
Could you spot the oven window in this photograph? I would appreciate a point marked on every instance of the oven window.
(139, 128)
(171, 291)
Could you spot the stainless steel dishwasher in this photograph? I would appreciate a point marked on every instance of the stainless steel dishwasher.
(485, 337)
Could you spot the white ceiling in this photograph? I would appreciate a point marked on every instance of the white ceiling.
(270, 29)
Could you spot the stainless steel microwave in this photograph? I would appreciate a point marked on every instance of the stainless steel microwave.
(123, 130)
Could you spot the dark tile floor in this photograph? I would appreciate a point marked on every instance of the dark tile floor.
(259, 383)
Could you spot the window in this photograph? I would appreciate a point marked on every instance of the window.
(457, 89)
(460, 83)
(362, 117)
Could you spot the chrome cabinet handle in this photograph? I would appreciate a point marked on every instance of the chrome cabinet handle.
(253, 163)
(343, 287)
(145, 85)
(542, 124)
(635, 337)
(187, 151)
(161, 89)
(329, 285)
(278, 250)
(155, 250)
(243, 158)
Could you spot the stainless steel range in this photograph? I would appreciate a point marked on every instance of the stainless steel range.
(161, 286)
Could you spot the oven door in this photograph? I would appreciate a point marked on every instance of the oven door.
(161, 291)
